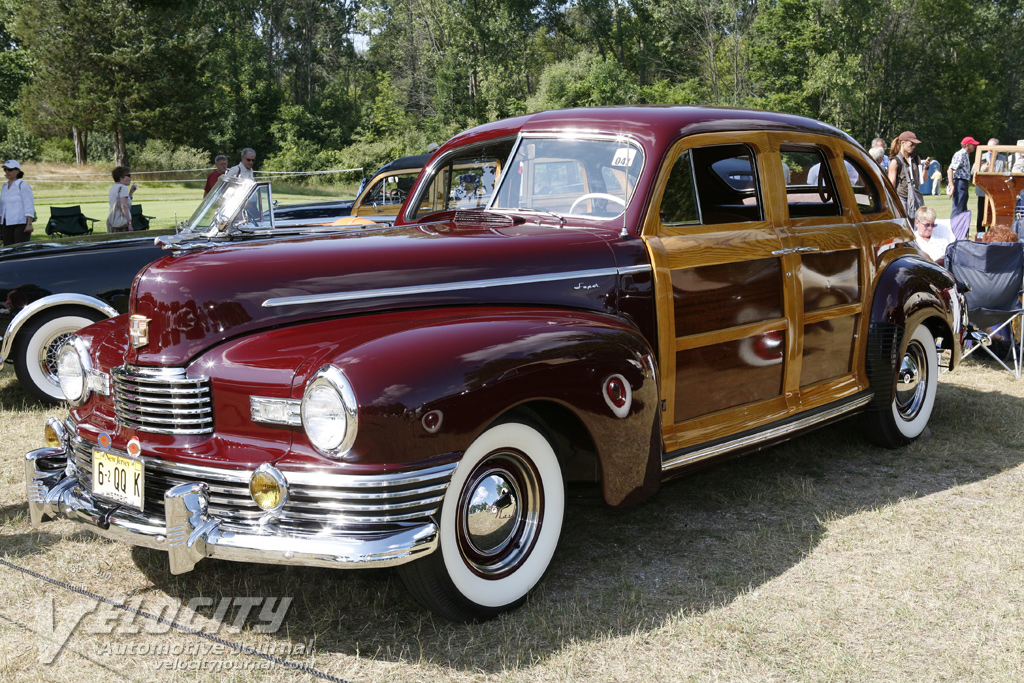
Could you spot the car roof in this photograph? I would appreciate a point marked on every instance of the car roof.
(648, 123)
(415, 161)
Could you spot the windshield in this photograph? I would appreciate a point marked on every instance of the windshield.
(222, 208)
(592, 178)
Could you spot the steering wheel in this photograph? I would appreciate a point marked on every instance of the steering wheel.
(250, 218)
(823, 190)
(596, 195)
(396, 195)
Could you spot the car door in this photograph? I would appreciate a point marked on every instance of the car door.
(725, 301)
(824, 249)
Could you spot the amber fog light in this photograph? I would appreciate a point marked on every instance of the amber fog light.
(268, 487)
(54, 433)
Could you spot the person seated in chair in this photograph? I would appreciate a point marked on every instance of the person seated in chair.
(924, 225)
(999, 233)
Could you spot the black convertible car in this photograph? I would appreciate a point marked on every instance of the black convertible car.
(51, 289)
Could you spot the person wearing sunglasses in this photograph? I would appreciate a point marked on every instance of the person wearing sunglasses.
(924, 226)
(244, 167)
(17, 206)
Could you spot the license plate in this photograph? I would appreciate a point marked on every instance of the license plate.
(118, 478)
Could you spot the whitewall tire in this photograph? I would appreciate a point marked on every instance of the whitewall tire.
(37, 345)
(499, 527)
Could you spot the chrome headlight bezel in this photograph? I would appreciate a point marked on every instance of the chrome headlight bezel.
(334, 441)
(77, 349)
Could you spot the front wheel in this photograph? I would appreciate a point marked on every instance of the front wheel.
(917, 379)
(500, 523)
(36, 348)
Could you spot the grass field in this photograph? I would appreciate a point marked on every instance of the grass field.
(823, 559)
(168, 202)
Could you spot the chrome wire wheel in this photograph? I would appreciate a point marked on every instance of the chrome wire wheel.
(49, 350)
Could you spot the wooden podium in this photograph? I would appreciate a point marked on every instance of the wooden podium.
(1001, 189)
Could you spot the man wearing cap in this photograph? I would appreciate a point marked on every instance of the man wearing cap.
(17, 206)
(959, 176)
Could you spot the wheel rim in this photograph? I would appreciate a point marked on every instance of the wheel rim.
(50, 349)
(499, 514)
(912, 382)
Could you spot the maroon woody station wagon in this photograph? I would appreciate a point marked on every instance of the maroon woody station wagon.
(606, 296)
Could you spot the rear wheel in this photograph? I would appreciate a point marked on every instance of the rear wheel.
(500, 523)
(36, 348)
(917, 379)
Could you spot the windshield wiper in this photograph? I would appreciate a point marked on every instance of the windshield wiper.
(529, 209)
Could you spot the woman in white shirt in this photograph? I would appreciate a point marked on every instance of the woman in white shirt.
(17, 206)
(121, 193)
(924, 225)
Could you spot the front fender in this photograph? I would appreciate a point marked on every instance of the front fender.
(428, 383)
(46, 303)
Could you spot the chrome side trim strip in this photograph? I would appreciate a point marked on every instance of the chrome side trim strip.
(768, 435)
(447, 287)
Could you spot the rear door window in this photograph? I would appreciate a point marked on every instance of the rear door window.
(810, 187)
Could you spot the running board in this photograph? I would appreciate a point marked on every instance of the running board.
(764, 435)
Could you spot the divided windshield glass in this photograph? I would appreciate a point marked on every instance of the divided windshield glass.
(590, 178)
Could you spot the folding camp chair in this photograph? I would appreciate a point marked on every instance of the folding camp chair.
(995, 274)
(68, 220)
(960, 224)
(139, 222)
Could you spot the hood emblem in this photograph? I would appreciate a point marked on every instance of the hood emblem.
(138, 327)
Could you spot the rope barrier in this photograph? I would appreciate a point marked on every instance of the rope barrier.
(67, 179)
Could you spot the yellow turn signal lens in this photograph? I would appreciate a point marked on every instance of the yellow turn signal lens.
(268, 488)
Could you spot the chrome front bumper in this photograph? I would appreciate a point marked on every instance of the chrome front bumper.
(190, 532)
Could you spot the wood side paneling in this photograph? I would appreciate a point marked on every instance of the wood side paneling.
(828, 349)
(831, 279)
(715, 297)
(732, 373)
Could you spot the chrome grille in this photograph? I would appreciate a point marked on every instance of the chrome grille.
(162, 400)
(318, 503)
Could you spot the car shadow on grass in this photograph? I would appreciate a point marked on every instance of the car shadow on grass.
(700, 543)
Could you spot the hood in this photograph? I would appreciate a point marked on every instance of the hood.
(196, 300)
(36, 249)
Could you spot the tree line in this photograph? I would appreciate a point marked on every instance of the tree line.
(314, 84)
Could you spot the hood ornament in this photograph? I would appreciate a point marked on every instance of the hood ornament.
(138, 328)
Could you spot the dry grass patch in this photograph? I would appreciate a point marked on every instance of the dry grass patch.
(822, 559)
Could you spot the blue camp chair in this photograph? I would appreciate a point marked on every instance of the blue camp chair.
(995, 274)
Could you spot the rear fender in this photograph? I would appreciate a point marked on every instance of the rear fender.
(910, 291)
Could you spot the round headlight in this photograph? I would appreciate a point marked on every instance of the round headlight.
(329, 412)
(73, 372)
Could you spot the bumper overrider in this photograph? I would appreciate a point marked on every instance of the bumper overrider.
(329, 520)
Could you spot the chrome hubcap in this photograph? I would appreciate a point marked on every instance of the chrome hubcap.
(499, 514)
(912, 382)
